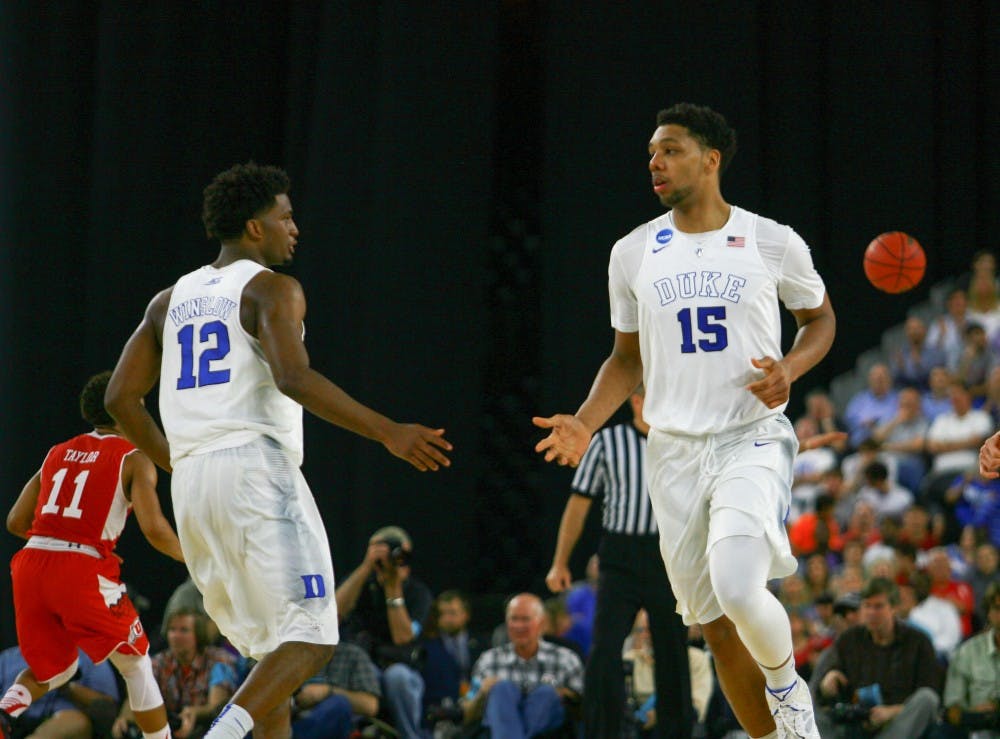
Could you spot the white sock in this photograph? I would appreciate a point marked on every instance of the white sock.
(163, 733)
(780, 680)
(233, 723)
(16, 700)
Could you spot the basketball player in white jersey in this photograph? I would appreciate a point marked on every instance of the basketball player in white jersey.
(226, 344)
(694, 303)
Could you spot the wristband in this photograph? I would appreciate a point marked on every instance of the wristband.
(395, 602)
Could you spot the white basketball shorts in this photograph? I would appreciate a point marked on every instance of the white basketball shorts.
(691, 478)
(255, 546)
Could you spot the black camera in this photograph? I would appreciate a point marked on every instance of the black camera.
(849, 713)
(398, 556)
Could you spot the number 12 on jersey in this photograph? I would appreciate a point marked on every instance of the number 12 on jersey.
(706, 318)
(214, 332)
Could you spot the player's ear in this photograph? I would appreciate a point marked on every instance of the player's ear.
(253, 229)
(713, 158)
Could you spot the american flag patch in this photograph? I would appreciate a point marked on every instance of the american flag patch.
(735, 241)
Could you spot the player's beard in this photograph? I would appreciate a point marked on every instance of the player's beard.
(676, 197)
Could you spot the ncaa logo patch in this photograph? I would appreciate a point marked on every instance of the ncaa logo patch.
(664, 236)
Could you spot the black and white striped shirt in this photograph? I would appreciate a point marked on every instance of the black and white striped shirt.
(614, 468)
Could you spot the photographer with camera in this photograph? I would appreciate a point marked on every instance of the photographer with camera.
(882, 678)
(972, 689)
(384, 608)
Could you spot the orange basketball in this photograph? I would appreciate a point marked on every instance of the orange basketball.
(895, 262)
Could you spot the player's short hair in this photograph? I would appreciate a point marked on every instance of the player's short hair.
(708, 128)
(92, 400)
(235, 196)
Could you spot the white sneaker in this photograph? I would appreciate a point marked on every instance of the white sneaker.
(793, 711)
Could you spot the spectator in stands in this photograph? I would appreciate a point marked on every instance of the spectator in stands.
(946, 333)
(886, 498)
(953, 441)
(820, 408)
(450, 649)
(976, 361)
(863, 525)
(902, 439)
(872, 406)
(971, 697)
(918, 529)
(808, 468)
(558, 623)
(581, 603)
(984, 302)
(937, 617)
(885, 651)
(385, 607)
(328, 704)
(195, 678)
(912, 363)
(985, 571)
(937, 399)
(816, 531)
(638, 650)
(854, 464)
(83, 708)
(523, 688)
(944, 585)
(976, 501)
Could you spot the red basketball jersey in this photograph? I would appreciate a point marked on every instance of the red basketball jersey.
(81, 497)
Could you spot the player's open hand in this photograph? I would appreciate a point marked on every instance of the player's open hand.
(567, 442)
(422, 447)
(989, 457)
(775, 386)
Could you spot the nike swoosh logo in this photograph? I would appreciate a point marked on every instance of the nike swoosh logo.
(657, 249)
(762, 443)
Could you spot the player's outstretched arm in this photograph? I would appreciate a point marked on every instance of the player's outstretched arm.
(134, 376)
(139, 483)
(989, 457)
(280, 310)
(22, 513)
(618, 377)
(817, 327)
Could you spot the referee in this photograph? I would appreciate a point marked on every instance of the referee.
(632, 576)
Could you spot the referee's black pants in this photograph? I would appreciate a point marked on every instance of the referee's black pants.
(632, 576)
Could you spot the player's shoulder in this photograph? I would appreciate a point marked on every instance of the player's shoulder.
(769, 232)
(636, 238)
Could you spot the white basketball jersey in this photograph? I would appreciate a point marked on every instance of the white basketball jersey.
(216, 387)
(703, 305)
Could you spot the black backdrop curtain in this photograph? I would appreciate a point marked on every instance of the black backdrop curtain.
(459, 174)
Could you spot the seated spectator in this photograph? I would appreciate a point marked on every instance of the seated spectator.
(638, 652)
(976, 503)
(887, 499)
(820, 408)
(937, 399)
(449, 650)
(816, 531)
(983, 303)
(863, 526)
(976, 361)
(817, 575)
(83, 708)
(558, 623)
(384, 608)
(953, 441)
(328, 704)
(937, 617)
(195, 678)
(808, 468)
(919, 529)
(945, 586)
(853, 465)
(872, 406)
(946, 332)
(985, 572)
(523, 688)
(912, 363)
(903, 437)
(832, 484)
(970, 690)
(882, 651)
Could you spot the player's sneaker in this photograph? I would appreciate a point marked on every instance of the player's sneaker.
(792, 709)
